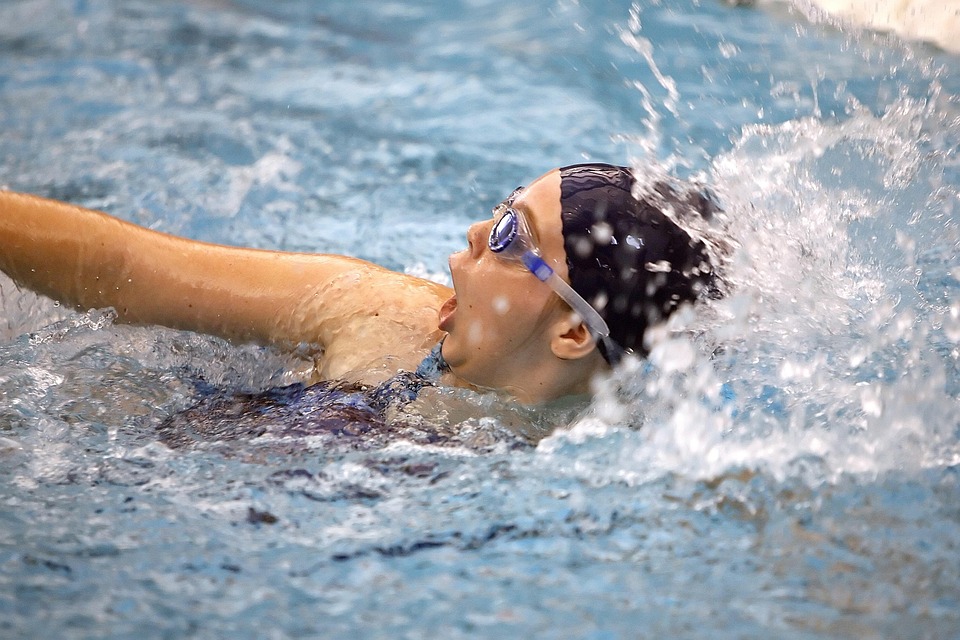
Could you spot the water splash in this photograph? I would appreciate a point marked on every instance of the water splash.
(835, 352)
(651, 142)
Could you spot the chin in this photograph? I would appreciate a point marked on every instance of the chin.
(450, 352)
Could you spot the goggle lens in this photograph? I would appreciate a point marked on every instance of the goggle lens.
(504, 231)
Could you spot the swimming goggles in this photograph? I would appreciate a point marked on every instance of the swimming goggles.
(510, 239)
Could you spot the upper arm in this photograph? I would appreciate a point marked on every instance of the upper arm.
(89, 259)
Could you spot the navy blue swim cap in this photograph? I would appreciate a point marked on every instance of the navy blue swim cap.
(631, 261)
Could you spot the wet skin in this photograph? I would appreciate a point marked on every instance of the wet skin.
(504, 325)
(504, 328)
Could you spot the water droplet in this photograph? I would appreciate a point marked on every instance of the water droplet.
(583, 247)
(660, 266)
(728, 50)
(871, 400)
(602, 233)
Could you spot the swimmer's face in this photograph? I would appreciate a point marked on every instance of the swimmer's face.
(496, 323)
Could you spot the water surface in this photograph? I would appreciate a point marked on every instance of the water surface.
(786, 465)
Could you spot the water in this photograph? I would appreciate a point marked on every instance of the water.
(787, 465)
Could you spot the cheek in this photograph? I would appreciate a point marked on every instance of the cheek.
(485, 330)
(486, 324)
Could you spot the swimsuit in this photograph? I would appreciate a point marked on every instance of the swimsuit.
(433, 366)
(344, 409)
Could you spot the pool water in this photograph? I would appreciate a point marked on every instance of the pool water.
(786, 464)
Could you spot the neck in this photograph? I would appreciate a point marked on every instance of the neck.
(544, 384)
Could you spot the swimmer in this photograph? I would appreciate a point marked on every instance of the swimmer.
(562, 280)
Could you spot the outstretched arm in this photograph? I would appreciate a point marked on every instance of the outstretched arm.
(88, 259)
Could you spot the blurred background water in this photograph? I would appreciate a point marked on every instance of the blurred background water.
(786, 465)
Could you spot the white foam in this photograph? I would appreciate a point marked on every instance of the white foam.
(829, 362)
(934, 21)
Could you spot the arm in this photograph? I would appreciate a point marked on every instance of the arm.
(88, 259)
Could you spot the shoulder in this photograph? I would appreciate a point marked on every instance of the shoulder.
(367, 317)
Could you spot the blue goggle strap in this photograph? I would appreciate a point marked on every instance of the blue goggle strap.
(538, 267)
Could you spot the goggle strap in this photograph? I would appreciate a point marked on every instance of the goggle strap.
(587, 313)
(538, 267)
(545, 273)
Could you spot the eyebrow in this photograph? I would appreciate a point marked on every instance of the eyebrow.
(525, 211)
(508, 201)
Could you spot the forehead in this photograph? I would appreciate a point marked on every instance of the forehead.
(541, 195)
(508, 201)
(540, 203)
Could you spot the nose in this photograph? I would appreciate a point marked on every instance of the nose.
(477, 238)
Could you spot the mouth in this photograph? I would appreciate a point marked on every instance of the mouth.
(447, 310)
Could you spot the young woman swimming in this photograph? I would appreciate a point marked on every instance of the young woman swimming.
(563, 279)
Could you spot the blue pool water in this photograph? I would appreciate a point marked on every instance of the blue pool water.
(787, 465)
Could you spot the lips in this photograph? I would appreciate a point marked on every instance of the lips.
(446, 313)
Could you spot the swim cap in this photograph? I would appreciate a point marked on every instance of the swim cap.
(631, 261)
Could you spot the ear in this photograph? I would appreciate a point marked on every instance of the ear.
(571, 339)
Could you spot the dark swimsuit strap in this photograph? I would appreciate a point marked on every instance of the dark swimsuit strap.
(433, 366)
(404, 387)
